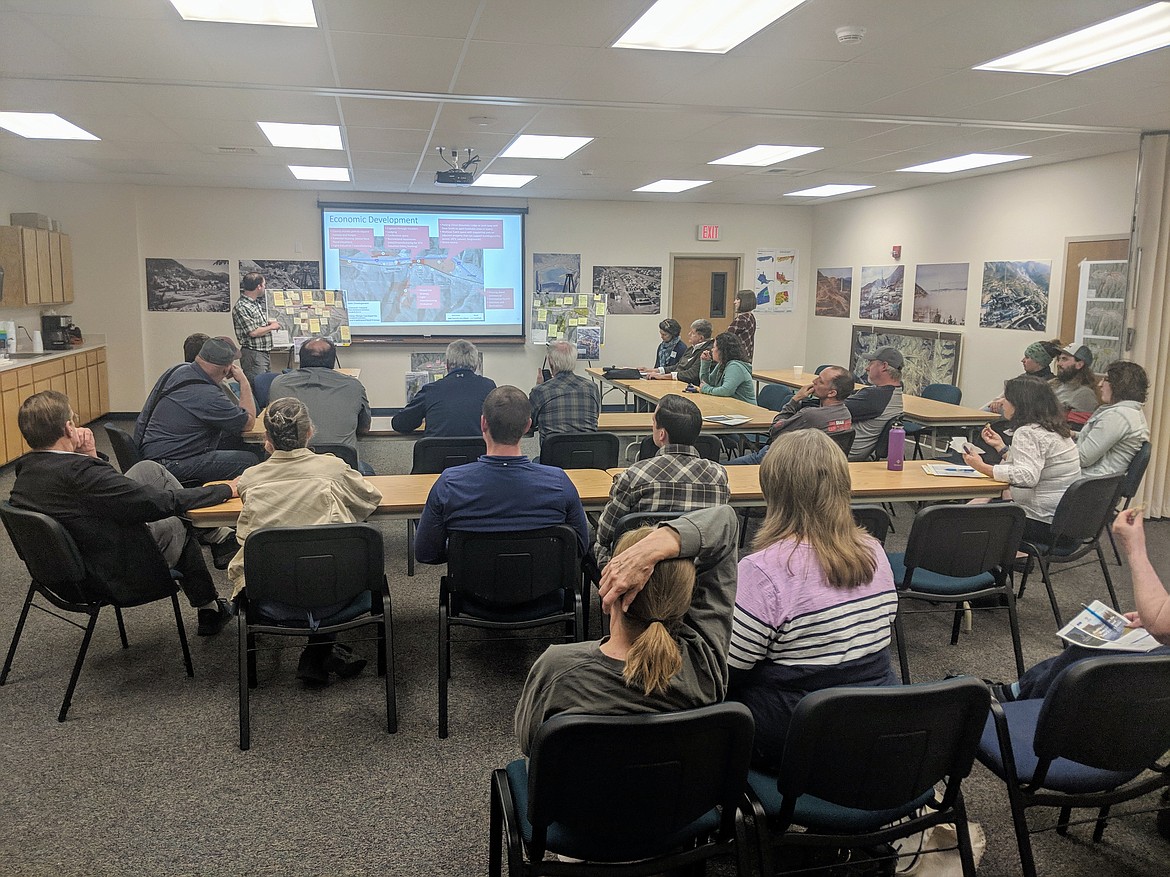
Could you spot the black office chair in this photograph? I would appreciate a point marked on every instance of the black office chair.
(1082, 513)
(59, 576)
(843, 439)
(342, 452)
(853, 783)
(948, 393)
(1134, 474)
(433, 455)
(1104, 722)
(874, 519)
(628, 795)
(956, 554)
(580, 450)
(125, 450)
(708, 446)
(508, 581)
(313, 568)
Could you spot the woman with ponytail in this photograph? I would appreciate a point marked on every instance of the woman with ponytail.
(669, 594)
(816, 598)
(295, 487)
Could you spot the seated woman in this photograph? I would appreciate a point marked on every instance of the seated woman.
(687, 368)
(815, 598)
(669, 593)
(1115, 432)
(1037, 363)
(295, 487)
(671, 349)
(726, 371)
(1042, 461)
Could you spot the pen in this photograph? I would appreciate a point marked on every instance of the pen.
(958, 469)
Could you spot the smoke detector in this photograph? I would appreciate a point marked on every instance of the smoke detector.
(850, 34)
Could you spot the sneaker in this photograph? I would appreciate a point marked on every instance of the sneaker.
(223, 552)
(342, 662)
(1001, 691)
(213, 618)
(311, 670)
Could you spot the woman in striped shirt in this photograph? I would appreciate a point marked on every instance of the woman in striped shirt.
(815, 600)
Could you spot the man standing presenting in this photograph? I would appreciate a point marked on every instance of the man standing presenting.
(830, 389)
(874, 406)
(565, 402)
(503, 491)
(451, 406)
(337, 402)
(187, 412)
(676, 479)
(117, 521)
(253, 328)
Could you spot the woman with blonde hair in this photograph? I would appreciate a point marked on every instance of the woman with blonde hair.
(815, 598)
(668, 592)
(295, 487)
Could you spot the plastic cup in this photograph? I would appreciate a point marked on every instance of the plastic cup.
(798, 370)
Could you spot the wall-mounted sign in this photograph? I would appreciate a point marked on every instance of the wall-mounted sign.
(707, 233)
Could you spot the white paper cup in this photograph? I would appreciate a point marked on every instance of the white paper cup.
(798, 370)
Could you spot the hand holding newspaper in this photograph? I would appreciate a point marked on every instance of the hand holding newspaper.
(1100, 627)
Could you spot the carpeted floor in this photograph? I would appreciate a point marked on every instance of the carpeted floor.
(145, 777)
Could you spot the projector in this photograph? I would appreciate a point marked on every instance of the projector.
(454, 177)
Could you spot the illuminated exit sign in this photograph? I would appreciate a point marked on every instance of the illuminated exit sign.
(708, 232)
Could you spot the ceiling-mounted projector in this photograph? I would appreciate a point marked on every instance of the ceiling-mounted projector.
(457, 173)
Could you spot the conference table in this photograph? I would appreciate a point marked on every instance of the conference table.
(646, 391)
(403, 496)
(929, 412)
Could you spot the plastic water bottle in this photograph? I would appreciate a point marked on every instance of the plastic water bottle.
(897, 455)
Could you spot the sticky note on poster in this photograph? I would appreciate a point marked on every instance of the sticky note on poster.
(599, 309)
(583, 301)
(542, 315)
(427, 296)
(278, 298)
(344, 333)
(330, 298)
(292, 297)
(315, 326)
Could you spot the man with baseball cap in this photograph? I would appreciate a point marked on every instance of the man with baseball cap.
(1075, 385)
(186, 414)
(873, 406)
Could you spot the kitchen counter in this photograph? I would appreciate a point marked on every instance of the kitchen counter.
(25, 357)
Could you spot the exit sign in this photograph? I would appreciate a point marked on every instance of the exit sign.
(708, 232)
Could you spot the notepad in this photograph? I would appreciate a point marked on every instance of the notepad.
(728, 419)
(945, 471)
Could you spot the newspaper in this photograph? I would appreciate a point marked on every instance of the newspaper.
(1099, 627)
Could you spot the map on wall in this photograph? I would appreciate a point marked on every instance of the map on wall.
(930, 357)
(629, 290)
(560, 311)
(307, 313)
(775, 285)
(1015, 295)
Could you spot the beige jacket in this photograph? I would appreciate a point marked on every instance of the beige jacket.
(297, 489)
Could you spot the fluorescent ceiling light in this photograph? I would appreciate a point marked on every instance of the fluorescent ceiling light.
(826, 191)
(43, 126)
(672, 185)
(288, 13)
(762, 156)
(715, 26)
(334, 174)
(503, 181)
(543, 146)
(961, 163)
(302, 136)
(1134, 33)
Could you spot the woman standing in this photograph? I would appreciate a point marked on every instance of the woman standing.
(744, 323)
(815, 600)
(1042, 460)
(725, 370)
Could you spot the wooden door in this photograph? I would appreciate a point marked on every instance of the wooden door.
(1105, 249)
(703, 288)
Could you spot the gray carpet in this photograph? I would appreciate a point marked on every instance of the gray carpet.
(145, 777)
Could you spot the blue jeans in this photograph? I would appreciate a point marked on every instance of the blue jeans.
(211, 466)
(755, 458)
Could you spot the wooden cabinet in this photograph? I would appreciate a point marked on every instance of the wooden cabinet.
(37, 266)
(81, 376)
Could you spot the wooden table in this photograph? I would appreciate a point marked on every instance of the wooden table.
(928, 412)
(652, 391)
(403, 496)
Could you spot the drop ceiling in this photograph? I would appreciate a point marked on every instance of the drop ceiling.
(176, 103)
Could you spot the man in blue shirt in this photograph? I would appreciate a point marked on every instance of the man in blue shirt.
(451, 406)
(503, 491)
(187, 412)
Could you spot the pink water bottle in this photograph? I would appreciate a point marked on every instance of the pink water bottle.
(897, 454)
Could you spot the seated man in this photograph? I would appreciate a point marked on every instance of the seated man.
(503, 491)
(451, 406)
(566, 402)
(676, 479)
(1153, 613)
(825, 409)
(116, 520)
(336, 401)
(1075, 385)
(187, 412)
(872, 407)
(701, 336)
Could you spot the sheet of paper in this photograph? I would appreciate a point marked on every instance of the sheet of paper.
(280, 338)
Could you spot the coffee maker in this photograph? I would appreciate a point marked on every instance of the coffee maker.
(55, 330)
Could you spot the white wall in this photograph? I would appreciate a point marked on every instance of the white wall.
(1017, 215)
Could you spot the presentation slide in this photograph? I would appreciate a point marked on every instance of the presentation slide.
(427, 271)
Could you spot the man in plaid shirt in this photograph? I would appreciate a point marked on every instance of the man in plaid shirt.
(676, 479)
(565, 402)
(253, 328)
